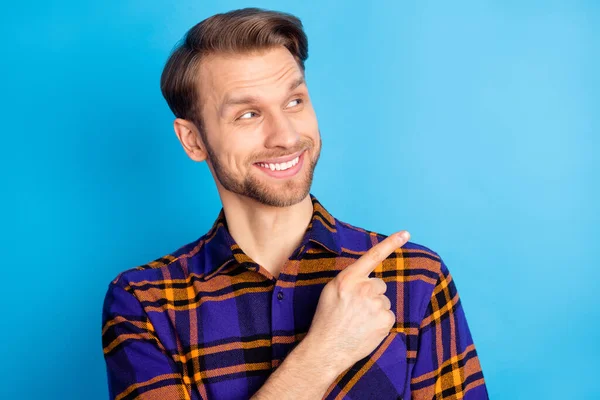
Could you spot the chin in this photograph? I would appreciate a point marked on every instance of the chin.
(267, 190)
(284, 197)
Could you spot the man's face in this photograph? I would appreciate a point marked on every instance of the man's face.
(261, 131)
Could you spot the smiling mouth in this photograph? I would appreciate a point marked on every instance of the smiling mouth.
(280, 166)
(283, 170)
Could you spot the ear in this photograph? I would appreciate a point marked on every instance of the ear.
(190, 139)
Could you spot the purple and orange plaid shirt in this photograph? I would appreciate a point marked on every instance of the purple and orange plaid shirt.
(207, 322)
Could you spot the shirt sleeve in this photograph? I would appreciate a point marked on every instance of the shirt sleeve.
(138, 366)
(447, 365)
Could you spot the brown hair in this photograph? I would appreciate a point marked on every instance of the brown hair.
(237, 31)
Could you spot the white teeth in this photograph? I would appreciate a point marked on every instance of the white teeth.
(281, 166)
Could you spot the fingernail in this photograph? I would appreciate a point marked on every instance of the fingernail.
(401, 237)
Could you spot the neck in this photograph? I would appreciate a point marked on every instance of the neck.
(268, 235)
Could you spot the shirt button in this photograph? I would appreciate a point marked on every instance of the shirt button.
(280, 295)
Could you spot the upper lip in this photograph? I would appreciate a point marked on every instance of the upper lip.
(280, 160)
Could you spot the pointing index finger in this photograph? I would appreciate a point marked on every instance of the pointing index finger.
(376, 254)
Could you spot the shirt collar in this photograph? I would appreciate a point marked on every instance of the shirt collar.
(324, 228)
(221, 249)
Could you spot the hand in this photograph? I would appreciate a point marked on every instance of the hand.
(353, 315)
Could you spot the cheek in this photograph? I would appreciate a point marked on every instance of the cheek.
(241, 155)
(307, 122)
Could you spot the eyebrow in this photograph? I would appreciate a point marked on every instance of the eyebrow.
(232, 101)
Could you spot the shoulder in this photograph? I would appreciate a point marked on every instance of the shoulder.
(170, 266)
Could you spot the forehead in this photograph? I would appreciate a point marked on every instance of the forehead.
(226, 75)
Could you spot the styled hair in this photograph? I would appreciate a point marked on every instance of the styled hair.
(238, 31)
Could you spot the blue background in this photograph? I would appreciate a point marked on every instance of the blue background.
(471, 124)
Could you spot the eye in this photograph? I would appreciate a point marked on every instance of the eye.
(247, 115)
(297, 101)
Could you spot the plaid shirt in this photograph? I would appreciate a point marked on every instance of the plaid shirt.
(207, 322)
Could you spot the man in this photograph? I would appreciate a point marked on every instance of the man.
(279, 300)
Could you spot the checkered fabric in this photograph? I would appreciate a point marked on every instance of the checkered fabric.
(207, 322)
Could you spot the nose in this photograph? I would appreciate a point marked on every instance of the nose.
(280, 131)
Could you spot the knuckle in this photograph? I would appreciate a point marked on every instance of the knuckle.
(386, 303)
(375, 305)
(397, 240)
(364, 289)
(392, 318)
(384, 330)
(374, 254)
(379, 285)
(341, 284)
